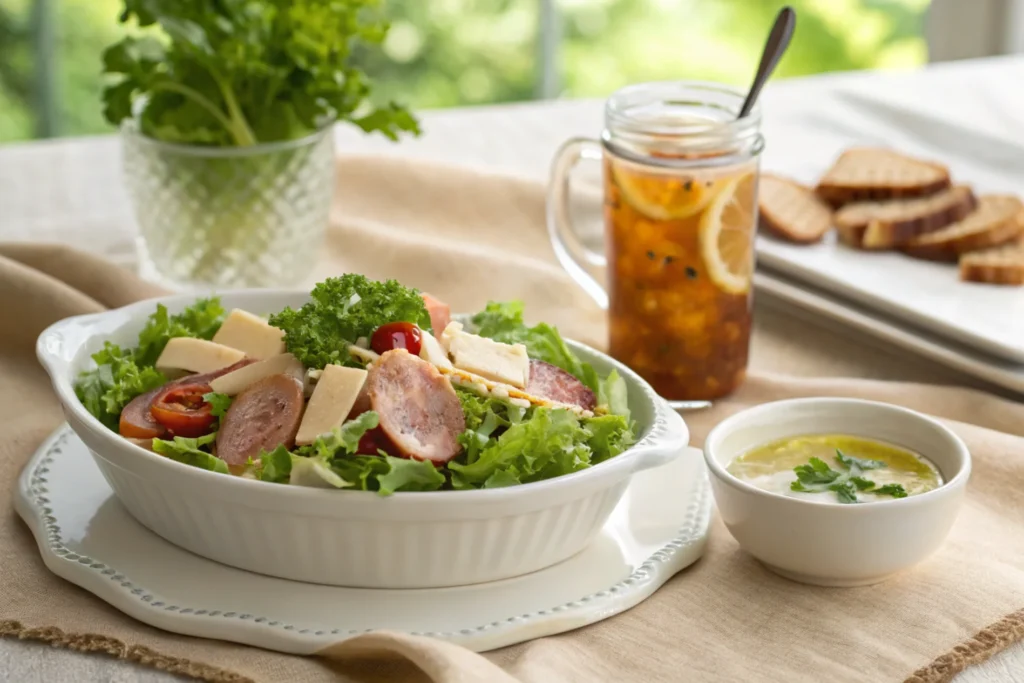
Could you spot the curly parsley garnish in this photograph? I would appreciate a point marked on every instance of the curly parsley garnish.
(342, 309)
(817, 476)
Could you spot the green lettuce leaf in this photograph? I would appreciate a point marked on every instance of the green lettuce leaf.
(484, 417)
(276, 465)
(612, 394)
(219, 403)
(340, 311)
(106, 389)
(550, 443)
(408, 475)
(202, 320)
(188, 451)
(361, 471)
(609, 436)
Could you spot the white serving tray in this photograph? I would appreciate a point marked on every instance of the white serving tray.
(835, 311)
(88, 538)
(989, 318)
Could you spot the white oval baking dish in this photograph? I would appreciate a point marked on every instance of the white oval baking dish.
(351, 538)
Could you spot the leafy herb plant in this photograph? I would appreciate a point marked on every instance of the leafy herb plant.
(817, 476)
(241, 72)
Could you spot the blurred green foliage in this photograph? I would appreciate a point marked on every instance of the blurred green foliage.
(445, 53)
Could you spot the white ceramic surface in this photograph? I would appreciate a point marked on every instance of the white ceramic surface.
(351, 538)
(836, 544)
(986, 317)
(821, 307)
(86, 536)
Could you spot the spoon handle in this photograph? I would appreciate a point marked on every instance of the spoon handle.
(774, 48)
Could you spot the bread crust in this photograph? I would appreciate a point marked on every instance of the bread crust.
(886, 225)
(995, 221)
(875, 174)
(792, 211)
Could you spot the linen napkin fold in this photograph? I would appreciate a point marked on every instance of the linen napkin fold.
(467, 238)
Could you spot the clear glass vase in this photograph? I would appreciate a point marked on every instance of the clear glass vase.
(216, 217)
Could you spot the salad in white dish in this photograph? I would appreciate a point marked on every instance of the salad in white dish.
(369, 386)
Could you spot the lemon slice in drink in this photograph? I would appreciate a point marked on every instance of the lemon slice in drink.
(727, 235)
(665, 197)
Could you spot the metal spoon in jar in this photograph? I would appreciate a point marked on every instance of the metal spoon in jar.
(774, 48)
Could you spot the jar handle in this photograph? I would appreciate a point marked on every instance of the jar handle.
(572, 253)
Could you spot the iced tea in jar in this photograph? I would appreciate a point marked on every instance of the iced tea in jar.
(680, 214)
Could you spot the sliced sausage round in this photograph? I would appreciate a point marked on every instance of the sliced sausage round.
(263, 417)
(555, 384)
(137, 421)
(418, 408)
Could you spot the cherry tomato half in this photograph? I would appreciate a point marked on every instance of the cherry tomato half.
(375, 440)
(181, 408)
(397, 335)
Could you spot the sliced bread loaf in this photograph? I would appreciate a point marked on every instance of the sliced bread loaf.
(995, 221)
(871, 173)
(884, 225)
(998, 266)
(792, 211)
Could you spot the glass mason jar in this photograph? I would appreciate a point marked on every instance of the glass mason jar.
(229, 216)
(680, 214)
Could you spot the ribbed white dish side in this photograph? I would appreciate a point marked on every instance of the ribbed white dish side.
(370, 554)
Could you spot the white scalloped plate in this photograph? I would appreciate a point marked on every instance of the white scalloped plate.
(88, 538)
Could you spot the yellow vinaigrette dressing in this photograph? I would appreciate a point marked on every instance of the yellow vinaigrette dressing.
(771, 466)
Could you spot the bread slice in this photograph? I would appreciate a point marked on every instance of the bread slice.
(997, 220)
(875, 173)
(792, 211)
(998, 266)
(884, 225)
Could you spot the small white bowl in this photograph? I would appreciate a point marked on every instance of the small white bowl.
(351, 538)
(835, 544)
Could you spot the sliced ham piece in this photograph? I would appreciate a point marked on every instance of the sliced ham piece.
(555, 384)
(418, 408)
(440, 313)
(264, 416)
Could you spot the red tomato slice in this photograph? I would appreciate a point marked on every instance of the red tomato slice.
(375, 440)
(181, 408)
(397, 335)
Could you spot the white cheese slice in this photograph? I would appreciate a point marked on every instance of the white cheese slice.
(506, 363)
(431, 351)
(447, 334)
(365, 355)
(332, 400)
(239, 380)
(197, 355)
(249, 333)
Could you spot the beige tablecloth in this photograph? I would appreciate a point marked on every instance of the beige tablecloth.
(469, 238)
